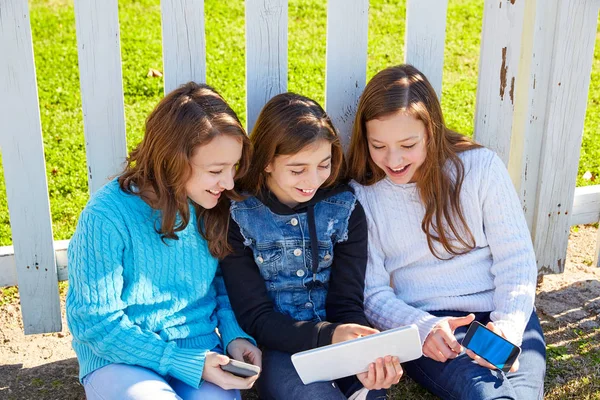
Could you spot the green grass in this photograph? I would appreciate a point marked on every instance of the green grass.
(55, 47)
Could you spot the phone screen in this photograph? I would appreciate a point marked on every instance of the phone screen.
(494, 348)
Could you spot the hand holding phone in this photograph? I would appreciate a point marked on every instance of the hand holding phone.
(241, 369)
(482, 342)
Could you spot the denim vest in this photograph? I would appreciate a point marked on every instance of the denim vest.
(281, 247)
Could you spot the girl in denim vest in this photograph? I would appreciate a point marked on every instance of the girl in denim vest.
(446, 229)
(145, 293)
(296, 274)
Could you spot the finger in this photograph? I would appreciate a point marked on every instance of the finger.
(443, 348)
(490, 325)
(455, 322)
(451, 342)
(379, 373)
(222, 359)
(398, 368)
(390, 372)
(480, 361)
(431, 351)
(368, 378)
(361, 330)
(515, 366)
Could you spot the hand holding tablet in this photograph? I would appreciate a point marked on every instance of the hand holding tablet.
(354, 356)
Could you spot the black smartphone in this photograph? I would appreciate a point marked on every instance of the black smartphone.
(491, 347)
(241, 369)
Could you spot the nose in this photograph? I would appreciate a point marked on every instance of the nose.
(394, 157)
(227, 180)
(314, 180)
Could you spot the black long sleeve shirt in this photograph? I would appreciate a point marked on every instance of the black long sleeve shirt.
(254, 309)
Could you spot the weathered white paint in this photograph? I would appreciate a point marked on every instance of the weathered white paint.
(498, 66)
(530, 104)
(98, 45)
(586, 205)
(25, 172)
(565, 113)
(346, 73)
(184, 44)
(597, 257)
(266, 54)
(8, 267)
(425, 38)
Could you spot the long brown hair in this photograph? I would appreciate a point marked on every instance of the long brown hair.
(159, 167)
(405, 89)
(287, 124)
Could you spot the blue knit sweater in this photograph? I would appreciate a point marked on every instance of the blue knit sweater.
(135, 300)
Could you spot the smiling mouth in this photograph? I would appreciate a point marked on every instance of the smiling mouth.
(306, 191)
(399, 170)
(216, 193)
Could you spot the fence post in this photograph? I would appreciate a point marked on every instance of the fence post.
(425, 38)
(25, 172)
(266, 54)
(346, 69)
(97, 23)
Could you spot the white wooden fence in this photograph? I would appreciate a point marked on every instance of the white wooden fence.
(534, 74)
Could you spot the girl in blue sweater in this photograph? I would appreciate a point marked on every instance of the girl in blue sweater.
(145, 294)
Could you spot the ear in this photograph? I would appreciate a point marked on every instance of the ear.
(269, 168)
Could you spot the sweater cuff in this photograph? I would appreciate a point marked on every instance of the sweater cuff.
(187, 365)
(230, 330)
(510, 331)
(325, 333)
(426, 323)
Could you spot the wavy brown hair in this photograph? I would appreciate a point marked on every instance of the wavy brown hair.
(405, 89)
(159, 167)
(287, 124)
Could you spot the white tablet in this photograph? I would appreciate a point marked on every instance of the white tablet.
(354, 356)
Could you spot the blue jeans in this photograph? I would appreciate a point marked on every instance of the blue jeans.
(462, 378)
(121, 381)
(279, 380)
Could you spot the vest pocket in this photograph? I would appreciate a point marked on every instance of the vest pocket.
(268, 261)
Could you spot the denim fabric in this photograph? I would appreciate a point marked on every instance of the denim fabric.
(282, 250)
(462, 378)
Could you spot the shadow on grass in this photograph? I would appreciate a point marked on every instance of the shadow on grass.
(571, 324)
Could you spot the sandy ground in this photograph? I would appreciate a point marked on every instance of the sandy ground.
(45, 367)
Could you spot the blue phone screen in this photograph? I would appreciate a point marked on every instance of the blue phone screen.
(489, 346)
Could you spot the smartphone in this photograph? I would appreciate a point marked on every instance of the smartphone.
(491, 347)
(241, 369)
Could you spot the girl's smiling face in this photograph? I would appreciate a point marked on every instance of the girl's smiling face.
(397, 145)
(295, 178)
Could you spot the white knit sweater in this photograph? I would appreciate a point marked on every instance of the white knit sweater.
(499, 275)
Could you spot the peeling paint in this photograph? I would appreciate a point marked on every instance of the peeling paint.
(534, 81)
(500, 5)
(512, 1)
(512, 90)
(503, 69)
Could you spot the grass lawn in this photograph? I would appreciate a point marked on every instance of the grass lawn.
(53, 25)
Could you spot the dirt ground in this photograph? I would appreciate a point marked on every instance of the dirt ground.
(45, 367)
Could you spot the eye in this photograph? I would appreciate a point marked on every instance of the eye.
(325, 166)
(377, 147)
(297, 172)
(216, 172)
(410, 147)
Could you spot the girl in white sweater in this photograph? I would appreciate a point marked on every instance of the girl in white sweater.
(448, 242)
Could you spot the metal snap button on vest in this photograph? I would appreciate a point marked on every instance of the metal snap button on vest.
(294, 221)
(297, 252)
(308, 305)
(259, 259)
(327, 257)
(300, 273)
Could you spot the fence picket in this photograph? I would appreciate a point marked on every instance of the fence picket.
(498, 66)
(97, 23)
(266, 54)
(425, 38)
(25, 172)
(184, 44)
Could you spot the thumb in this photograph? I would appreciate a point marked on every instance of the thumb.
(460, 321)
(222, 359)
